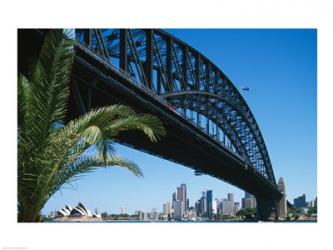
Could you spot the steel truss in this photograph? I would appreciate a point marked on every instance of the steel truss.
(191, 84)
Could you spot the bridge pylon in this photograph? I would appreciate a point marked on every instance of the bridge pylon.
(267, 209)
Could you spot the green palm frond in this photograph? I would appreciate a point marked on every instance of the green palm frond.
(49, 85)
(149, 124)
(24, 99)
(50, 156)
(88, 163)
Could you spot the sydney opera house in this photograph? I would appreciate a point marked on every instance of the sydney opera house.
(77, 213)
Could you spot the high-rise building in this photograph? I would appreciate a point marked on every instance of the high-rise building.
(249, 201)
(174, 197)
(181, 196)
(178, 210)
(209, 195)
(214, 207)
(227, 207)
(167, 209)
(231, 197)
(309, 204)
(236, 207)
(201, 205)
(300, 201)
(283, 202)
(154, 214)
(185, 196)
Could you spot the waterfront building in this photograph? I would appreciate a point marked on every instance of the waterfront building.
(79, 211)
(144, 216)
(283, 202)
(191, 215)
(154, 214)
(315, 202)
(300, 201)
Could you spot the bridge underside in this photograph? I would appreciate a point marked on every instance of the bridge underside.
(95, 86)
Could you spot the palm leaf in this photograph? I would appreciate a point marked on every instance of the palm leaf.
(49, 84)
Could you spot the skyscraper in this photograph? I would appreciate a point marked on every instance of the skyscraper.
(236, 207)
(227, 208)
(283, 202)
(178, 210)
(167, 209)
(185, 200)
(214, 206)
(181, 196)
(300, 201)
(209, 195)
(231, 197)
(174, 198)
(201, 205)
(249, 201)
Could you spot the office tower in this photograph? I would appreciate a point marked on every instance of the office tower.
(197, 207)
(187, 204)
(236, 207)
(249, 201)
(174, 198)
(209, 195)
(315, 202)
(201, 205)
(215, 203)
(167, 209)
(178, 210)
(248, 195)
(231, 199)
(204, 203)
(184, 196)
(283, 202)
(300, 201)
(309, 204)
(181, 196)
(154, 214)
(227, 207)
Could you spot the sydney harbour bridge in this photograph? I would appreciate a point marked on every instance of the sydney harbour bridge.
(209, 126)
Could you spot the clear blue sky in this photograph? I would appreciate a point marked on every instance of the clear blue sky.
(280, 68)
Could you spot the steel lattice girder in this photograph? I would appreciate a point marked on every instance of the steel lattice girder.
(168, 67)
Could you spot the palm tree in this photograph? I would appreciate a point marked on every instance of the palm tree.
(50, 154)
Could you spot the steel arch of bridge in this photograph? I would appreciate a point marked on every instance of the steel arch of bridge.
(188, 82)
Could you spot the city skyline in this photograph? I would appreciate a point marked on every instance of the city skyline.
(223, 205)
(242, 202)
(268, 62)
